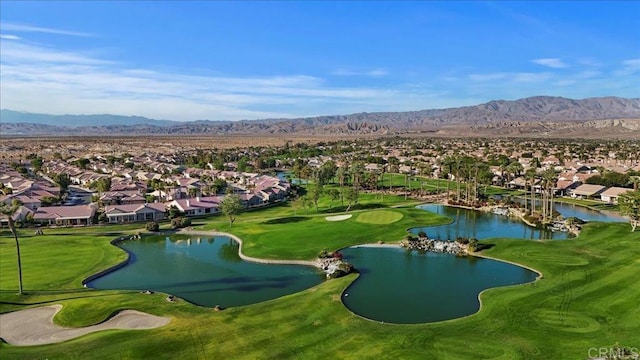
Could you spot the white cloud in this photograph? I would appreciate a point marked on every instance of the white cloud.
(554, 63)
(632, 63)
(588, 74)
(9, 37)
(29, 28)
(372, 73)
(15, 52)
(531, 77)
(487, 77)
(629, 67)
(505, 77)
(565, 82)
(40, 79)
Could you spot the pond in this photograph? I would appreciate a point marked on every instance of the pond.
(572, 210)
(586, 214)
(288, 176)
(204, 270)
(395, 285)
(481, 225)
(399, 286)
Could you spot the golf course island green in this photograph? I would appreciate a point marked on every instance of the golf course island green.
(587, 297)
(379, 217)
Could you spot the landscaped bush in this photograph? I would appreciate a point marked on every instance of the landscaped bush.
(473, 245)
(152, 226)
(462, 240)
(103, 218)
(180, 222)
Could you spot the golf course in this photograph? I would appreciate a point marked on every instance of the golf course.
(586, 298)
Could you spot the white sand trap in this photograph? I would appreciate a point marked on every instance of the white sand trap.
(36, 327)
(338, 217)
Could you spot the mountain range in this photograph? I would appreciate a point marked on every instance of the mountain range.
(539, 115)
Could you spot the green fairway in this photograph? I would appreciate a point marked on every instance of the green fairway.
(587, 298)
(379, 217)
(303, 237)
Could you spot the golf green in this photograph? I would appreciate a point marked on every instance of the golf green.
(379, 217)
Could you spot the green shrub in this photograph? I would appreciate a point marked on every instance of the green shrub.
(180, 222)
(152, 226)
(103, 217)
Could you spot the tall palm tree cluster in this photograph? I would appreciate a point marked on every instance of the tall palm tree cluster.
(471, 173)
(470, 170)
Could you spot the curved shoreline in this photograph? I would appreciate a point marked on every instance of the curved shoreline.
(314, 264)
(243, 256)
(122, 264)
(540, 275)
(115, 267)
(479, 297)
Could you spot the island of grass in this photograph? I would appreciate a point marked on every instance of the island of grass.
(587, 297)
(380, 217)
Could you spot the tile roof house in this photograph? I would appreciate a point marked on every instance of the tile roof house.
(612, 194)
(563, 186)
(135, 212)
(587, 191)
(120, 197)
(19, 215)
(197, 206)
(65, 215)
(30, 202)
(134, 199)
(251, 200)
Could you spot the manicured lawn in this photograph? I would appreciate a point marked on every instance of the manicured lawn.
(587, 298)
(592, 204)
(303, 237)
(379, 217)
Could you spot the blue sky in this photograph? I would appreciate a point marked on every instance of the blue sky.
(249, 60)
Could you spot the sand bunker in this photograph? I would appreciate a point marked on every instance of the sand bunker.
(338, 217)
(36, 327)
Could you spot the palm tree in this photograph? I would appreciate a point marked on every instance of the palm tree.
(341, 173)
(382, 172)
(9, 210)
(530, 175)
(630, 206)
(549, 177)
(192, 191)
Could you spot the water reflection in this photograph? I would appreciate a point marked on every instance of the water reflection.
(206, 271)
(480, 225)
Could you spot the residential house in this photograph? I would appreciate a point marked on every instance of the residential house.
(251, 200)
(133, 199)
(20, 215)
(197, 206)
(587, 191)
(371, 167)
(612, 194)
(30, 202)
(563, 186)
(65, 215)
(135, 212)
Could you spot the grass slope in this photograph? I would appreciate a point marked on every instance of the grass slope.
(587, 298)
